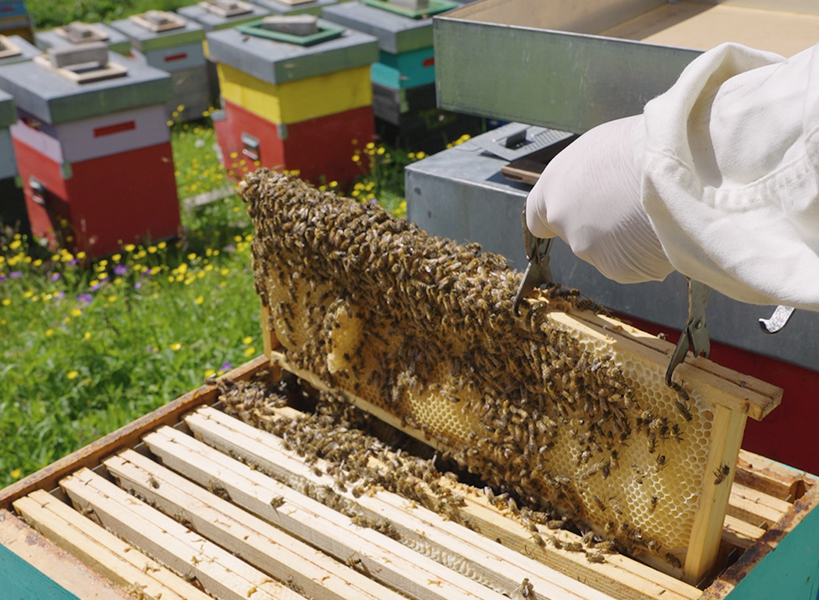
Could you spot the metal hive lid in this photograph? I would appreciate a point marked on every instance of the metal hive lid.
(279, 62)
(78, 32)
(212, 21)
(55, 99)
(16, 43)
(396, 33)
(147, 37)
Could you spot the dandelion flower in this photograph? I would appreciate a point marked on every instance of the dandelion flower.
(112, 298)
(152, 249)
(161, 245)
(15, 244)
(87, 336)
(129, 247)
(250, 351)
(5, 301)
(72, 374)
(210, 373)
(36, 263)
(199, 299)
(76, 312)
(80, 255)
(224, 272)
(192, 256)
(49, 332)
(247, 340)
(15, 473)
(176, 347)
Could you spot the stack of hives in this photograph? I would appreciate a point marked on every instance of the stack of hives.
(15, 20)
(296, 96)
(93, 148)
(172, 43)
(403, 79)
(420, 330)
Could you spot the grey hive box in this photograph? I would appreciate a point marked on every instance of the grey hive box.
(15, 49)
(54, 99)
(316, 7)
(8, 116)
(117, 41)
(212, 21)
(178, 51)
(280, 62)
(396, 33)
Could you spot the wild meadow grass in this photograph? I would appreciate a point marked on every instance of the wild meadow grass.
(86, 347)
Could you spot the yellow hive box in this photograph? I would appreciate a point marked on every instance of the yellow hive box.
(299, 100)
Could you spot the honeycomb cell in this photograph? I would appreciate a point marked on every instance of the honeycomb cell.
(423, 328)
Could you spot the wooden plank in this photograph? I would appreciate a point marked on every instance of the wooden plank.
(454, 545)
(36, 552)
(771, 477)
(754, 507)
(739, 533)
(186, 552)
(618, 577)
(727, 429)
(103, 551)
(382, 558)
(124, 437)
(262, 545)
(720, 385)
(60, 566)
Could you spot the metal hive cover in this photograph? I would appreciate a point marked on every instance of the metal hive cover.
(57, 37)
(433, 7)
(325, 33)
(212, 21)
(396, 33)
(279, 62)
(145, 39)
(54, 99)
(14, 43)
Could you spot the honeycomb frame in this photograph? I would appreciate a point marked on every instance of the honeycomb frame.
(560, 406)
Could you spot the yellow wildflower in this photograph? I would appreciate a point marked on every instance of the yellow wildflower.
(5, 301)
(250, 351)
(199, 299)
(112, 298)
(176, 347)
(87, 336)
(247, 340)
(15, 473)
(76, 312)
(210, 373)
(72, 374)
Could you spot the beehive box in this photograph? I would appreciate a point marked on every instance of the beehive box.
(213, 16)
(296, 7)
(12, 204)
(301, 92)
(172, 43)
(404, 78)
(84, 33)
(15, 20)
(94, 155)
(14, 49)
(238, 480)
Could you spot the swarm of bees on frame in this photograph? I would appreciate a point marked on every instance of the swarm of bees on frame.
(423, 328)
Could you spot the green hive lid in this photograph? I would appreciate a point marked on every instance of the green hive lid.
(435, 7)
(326, 31)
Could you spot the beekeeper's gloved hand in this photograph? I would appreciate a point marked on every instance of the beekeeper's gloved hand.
(589, 196)
(722, 169)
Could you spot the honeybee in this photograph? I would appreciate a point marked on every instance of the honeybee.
(721, 473)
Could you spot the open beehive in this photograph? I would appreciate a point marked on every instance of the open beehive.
(561, 406)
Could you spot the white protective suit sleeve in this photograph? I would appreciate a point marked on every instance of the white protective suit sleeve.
(726, 164)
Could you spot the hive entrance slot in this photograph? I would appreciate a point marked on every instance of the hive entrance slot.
(81, 33)
(227, 8)
(7, 48)
(158, 21)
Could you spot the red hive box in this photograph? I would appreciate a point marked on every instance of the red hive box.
(95, 158)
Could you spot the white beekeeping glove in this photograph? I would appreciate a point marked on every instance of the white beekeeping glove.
(720, 175)
(589, 196)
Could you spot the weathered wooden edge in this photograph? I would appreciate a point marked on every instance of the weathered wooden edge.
(773, 478)
(766, 544)
(703, 547)
(128, 435)
(737, 391)
(63, 568)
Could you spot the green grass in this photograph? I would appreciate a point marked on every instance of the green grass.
(53, 13)
(87, 348)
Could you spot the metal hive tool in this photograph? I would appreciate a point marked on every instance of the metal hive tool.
(564, 408)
